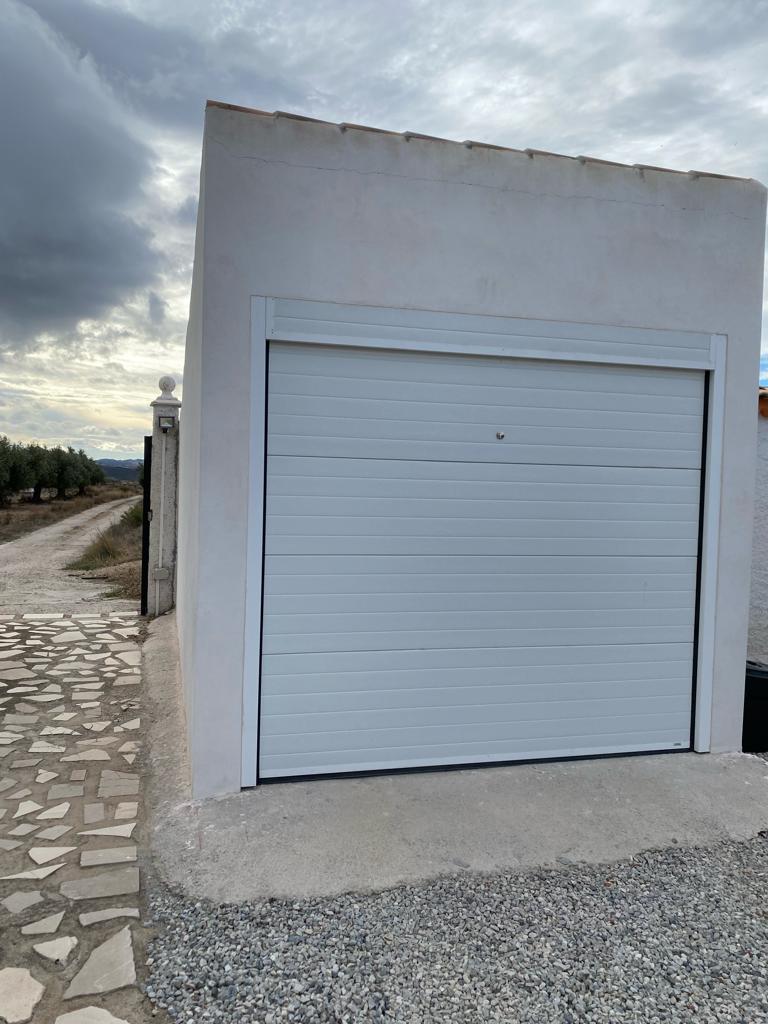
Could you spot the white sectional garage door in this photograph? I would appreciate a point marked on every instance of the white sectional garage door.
(437, 595)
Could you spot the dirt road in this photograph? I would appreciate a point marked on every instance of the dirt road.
(32, 574)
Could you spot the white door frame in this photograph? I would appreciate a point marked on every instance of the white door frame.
(294, 320)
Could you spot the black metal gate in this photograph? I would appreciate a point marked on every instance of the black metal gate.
(146, 516)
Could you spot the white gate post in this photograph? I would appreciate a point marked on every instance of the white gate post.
(162, 497)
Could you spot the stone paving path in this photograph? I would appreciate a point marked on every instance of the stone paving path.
(69, 807)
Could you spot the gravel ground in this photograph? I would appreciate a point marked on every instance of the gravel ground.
(677, 935)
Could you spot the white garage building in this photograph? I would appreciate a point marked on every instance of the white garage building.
(467, 454)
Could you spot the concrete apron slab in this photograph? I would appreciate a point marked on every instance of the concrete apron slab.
(331, 836)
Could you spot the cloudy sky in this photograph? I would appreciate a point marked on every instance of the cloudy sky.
(101, 122)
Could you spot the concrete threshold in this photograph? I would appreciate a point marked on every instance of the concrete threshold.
(303, 839)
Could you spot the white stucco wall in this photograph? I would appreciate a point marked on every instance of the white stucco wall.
(308, 210)
(188, 544)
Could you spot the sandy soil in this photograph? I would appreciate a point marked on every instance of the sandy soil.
(32, 573)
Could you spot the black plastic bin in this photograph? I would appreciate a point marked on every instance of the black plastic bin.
(755, 736)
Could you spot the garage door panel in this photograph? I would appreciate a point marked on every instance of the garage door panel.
(361, 697)
(308, 528)
(474, 601)
(543, 636)
(418, 621)
(516, 396)
(371, 759)
(638, 658)
(478, 735)
(317, 363)
(501, 509)
(446, 431)
(414, 546)
(288, 408)
(456, 720)
(591, 339)
(377, 478)
(508, 451)
(575, 584)
(507, 565)
(436, 595)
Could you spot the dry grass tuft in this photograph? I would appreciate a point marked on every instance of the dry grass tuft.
(115, 556)
(119, 543)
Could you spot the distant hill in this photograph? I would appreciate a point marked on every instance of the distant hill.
(120, 469)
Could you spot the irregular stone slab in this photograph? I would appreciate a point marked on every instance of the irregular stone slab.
(45, 926)
(12, 674)
(59, 730)
(54, 812)
(89, 1015)
(88, 755)
(54, 832)
(19, 901)
(65, 716)
(23, 830)
(9, 844)
(130, 657)
(35, 873)
(78, 775)
(19, 995)
(125, 831)
(96, 916)
(118, 784)
(57, 950)
(93, 813)
(111, 855)
(44, 776)
(97, 741)
(121, 882)
(68, 637)
(126, 810)
(27, 807)
(7, 783)
(110, 966)
(65, 789)
(19, 794)
(42, 854)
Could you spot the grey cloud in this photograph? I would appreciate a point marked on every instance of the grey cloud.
(186, 212)
(69, 248)
(157, 308)
(166, 72)
(703, 27)
(675, 103)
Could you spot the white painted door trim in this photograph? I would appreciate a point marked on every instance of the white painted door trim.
(429, 331)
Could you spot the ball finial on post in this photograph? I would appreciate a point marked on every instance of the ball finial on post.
(167, 385)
